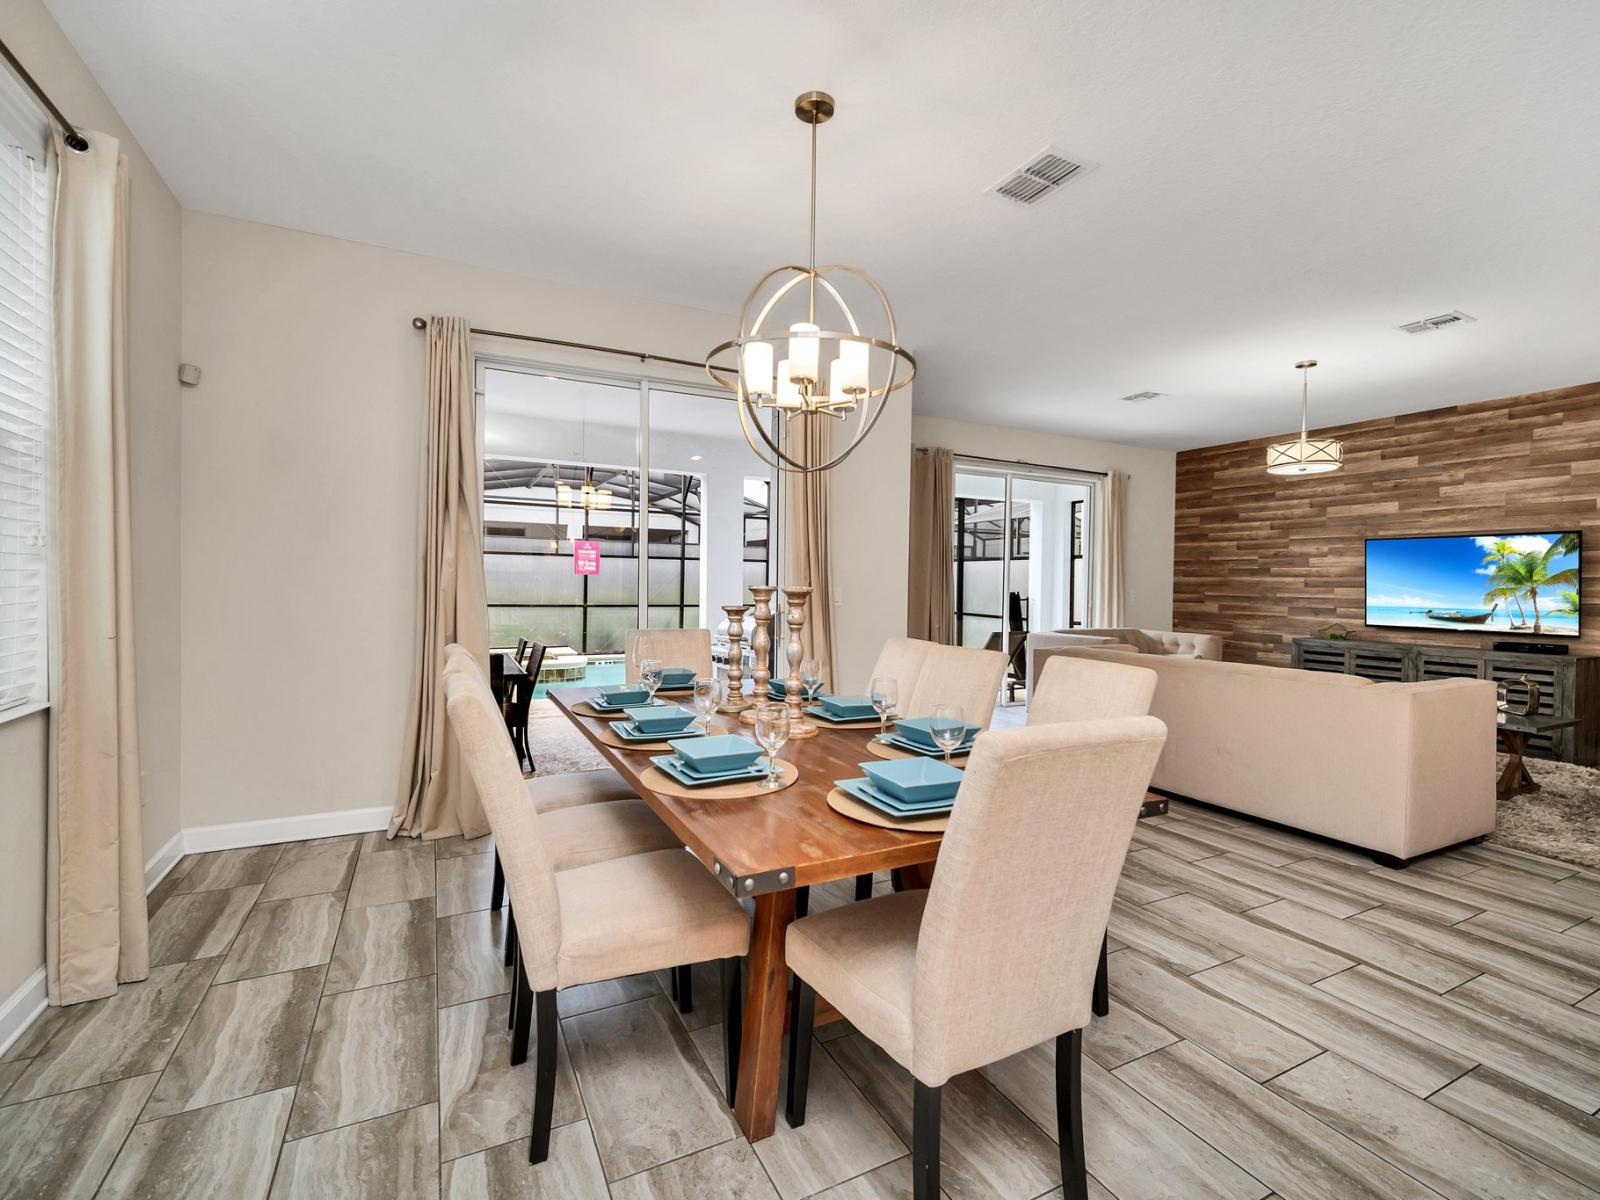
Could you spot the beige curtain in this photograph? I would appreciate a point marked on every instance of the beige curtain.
(931, 598)
(807, 551)
(437, 798)
(1107, 589)
(96, 931)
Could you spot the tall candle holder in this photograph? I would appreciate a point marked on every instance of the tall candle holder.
(760, 648)
(735, 703)
(794, 688)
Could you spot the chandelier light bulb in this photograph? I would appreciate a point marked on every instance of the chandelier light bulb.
(758, 369)
(803, 352)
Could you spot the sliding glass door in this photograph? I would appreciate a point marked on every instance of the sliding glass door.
(1021, 558)
(613, 503)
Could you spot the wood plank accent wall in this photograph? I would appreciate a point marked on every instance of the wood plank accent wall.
(1263, 559)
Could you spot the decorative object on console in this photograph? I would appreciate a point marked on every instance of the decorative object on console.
(760, 648)
(735, 703)
(792, 373)
(1334, 632)
(1304, 456)
(1530, 696)
(794, 691)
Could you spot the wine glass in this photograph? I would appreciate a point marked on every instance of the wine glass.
(772, 731)
(885, 694)
(811, 677)
(948, 727)
(640, 653)
(650, 677)
(707, 698)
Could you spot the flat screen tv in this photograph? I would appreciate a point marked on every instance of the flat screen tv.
(1521, 583)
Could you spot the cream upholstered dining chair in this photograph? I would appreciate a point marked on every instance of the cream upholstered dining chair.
(623, 916)
(1084, 689)
(963, 973)
(929, 673)
(689, 648)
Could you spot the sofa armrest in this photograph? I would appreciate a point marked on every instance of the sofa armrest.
(1451, 731)
(1039, 646)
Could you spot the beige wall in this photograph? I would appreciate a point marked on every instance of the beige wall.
(1148, 534)
(300, 466)
(153, 337)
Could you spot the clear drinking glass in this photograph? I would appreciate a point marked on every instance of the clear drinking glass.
(650, 676)
(640, 653)
(811, 677)
(772, 731)
(885, 695)
(948, 726)
(707, 696)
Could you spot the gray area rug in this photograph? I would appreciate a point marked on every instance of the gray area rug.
(1560, 820)
(556, 743)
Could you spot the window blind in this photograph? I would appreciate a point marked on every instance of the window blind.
(25, 427)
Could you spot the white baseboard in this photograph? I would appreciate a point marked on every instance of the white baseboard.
(21, 1009)
(162, 861)
(201, 838)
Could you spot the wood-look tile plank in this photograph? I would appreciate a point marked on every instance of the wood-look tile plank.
(224, 1150)
(1382, 888)
(572, 1172)
(1296, 845)
(284, 935)
(628, 1058)
(1234, 839)
(1564, 1024)
(1589, 931)
(1356, 941)
(1175, 844)
(1534, 1060)
(464, 883)
(1292, 883)
(131, 1033)
(1264, 1134)
(892, 1181)
(472, 956)
(1123, 1035)
(383, 943)
(1550, 1130)
(452, 847)
(1447, 1154)
(730, 1170)
(1197, 881)
(1570, 894)
(380, 842)
(197, 925)
(1137, 886)
(62, 1146)
(591, 997)
(1590, 1003)
(1491, 854)
(372, 1052)
(1239, 1037)
(391, 875)
(1471, 944)
(1498, 894)
(306, 868)
(1130, 1144)
(1165, 940)
(230, 869)
(990, 1148)
(1282, 951)
(10, 1072)
(246, 1037)
(483, 1099)
(1415, 1063)
(395, 1157)
(706, 984)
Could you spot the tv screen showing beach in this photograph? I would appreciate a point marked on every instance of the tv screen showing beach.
(1523, 583)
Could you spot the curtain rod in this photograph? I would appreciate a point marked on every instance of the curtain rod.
(642, 356)
(1017, 462)
(69, 133)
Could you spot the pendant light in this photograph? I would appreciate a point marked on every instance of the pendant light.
(1305, 456)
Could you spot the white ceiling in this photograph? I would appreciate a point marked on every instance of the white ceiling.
(1275, 178)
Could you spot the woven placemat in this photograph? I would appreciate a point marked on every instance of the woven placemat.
(849, 806)
(884, 750)
(660, 782)
(611, 739)
(584, 709)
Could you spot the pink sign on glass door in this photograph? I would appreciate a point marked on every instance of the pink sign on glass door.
(585, 558)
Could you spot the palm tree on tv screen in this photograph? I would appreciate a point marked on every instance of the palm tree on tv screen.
(1525, 574)
(1497, 556)
(1568, 607)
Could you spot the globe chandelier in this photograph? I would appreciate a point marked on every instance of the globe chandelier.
(1303, 455)
(791, 365)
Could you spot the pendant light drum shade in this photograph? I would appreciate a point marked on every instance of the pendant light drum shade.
(1304, 455)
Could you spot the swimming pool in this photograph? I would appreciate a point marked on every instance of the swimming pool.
(599, 673)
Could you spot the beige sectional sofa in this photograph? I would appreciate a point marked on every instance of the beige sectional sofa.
(1396, 768)
(1144, 641)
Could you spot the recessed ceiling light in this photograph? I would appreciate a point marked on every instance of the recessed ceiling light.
(696, 457)
(1141, 397)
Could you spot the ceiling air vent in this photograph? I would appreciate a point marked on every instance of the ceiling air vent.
(1043, 174)
(1141, 397)
(1443, 321)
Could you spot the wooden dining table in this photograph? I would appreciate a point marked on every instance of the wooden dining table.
(761, 849)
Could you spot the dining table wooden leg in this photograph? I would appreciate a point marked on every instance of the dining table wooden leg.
(765, 1011)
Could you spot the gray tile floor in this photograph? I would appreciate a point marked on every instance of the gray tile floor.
(328, 1020)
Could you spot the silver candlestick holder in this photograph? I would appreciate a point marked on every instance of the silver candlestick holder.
(760, 649)
(735, 703)
(794, 688)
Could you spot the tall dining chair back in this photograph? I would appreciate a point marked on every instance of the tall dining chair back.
(1086, 689)
(522, 651)
(930, 674)
(965, 973)
(689, 648)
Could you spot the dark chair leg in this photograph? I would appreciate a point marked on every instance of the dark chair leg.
(544, 1075)
(924, 1141)
(897, 879)
(685, 988)
(1069, 1115)
(802, 902)
(521, 1013)
(672, 981)
(1102, 982)
(732, 1022)
(802, 1013)
(497, 889)
(863, 887)
(511, 937)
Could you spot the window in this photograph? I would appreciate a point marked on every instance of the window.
(24, 423)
